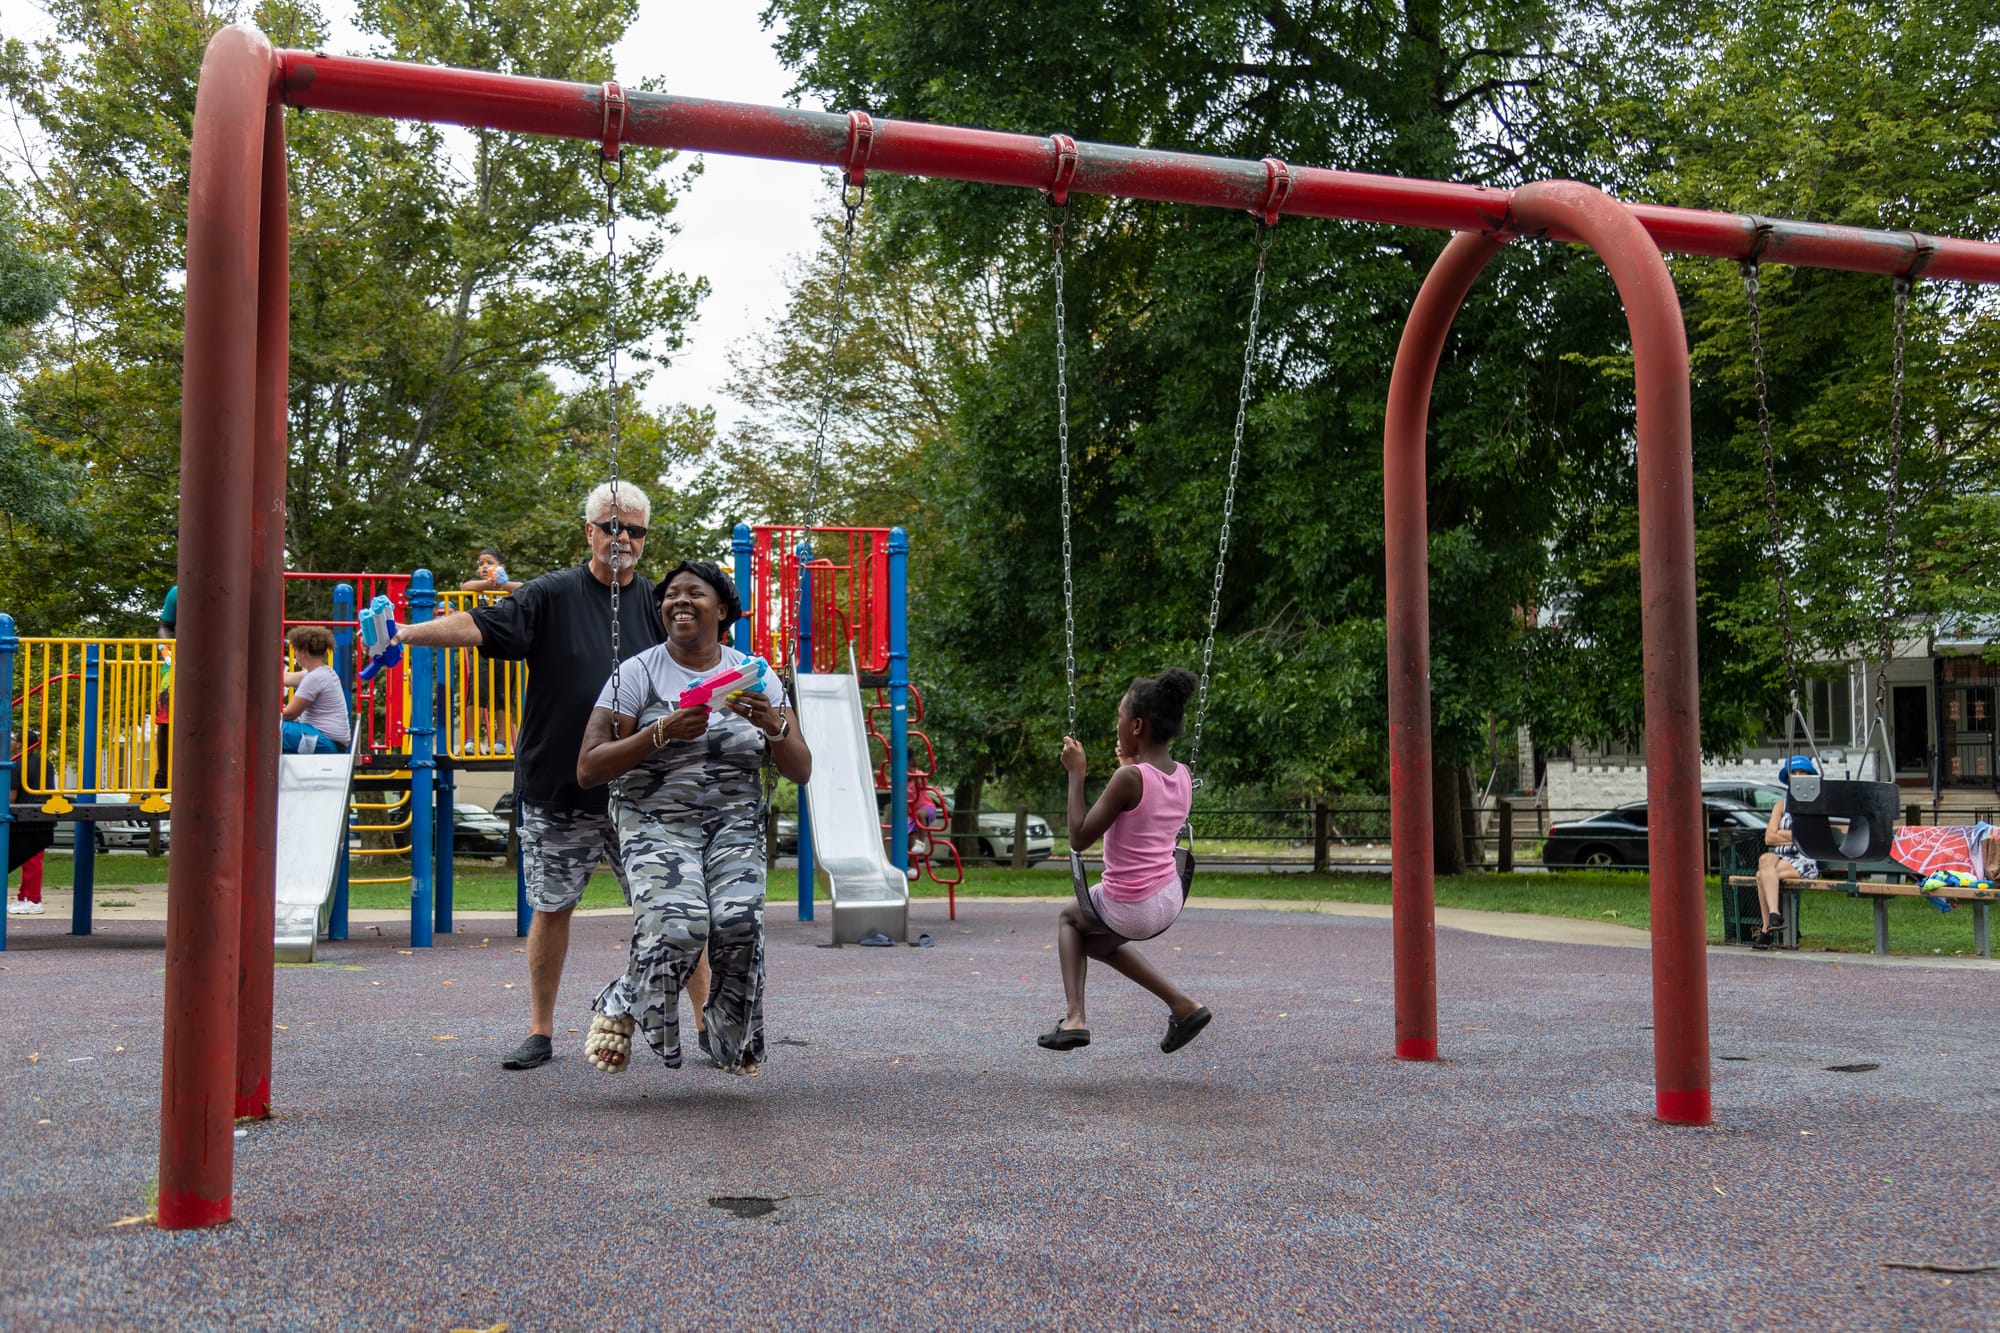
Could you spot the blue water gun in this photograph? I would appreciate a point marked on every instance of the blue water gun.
(378, 637)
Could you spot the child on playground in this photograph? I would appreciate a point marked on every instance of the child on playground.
(482, 735)
(1140, 892)
(315, 720)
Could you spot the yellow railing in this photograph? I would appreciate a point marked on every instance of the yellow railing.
(482, 695)
(121, 746)
(401, 802)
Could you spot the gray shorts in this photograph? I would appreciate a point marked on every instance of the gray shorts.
(559, 849)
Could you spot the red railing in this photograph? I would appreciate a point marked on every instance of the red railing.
(381, 705)
(850, 596)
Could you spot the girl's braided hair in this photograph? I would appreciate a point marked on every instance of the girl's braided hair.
(1162, 700)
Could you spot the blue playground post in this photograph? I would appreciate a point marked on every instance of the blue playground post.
(447, 833)
(899, 700)
(343, 662)
(805, 666)
(741, 544)
(84, 873)
(10, 644)
(343, 638)
(423, 596)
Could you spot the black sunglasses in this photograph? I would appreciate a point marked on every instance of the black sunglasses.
(612, 527)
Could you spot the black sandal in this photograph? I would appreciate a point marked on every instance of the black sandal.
(1761, 940)
(1181, 1031)
(1060, 1038)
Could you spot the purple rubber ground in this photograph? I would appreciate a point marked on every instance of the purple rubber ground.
(932, 1167)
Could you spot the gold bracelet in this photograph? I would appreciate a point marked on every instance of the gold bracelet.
(658, 740)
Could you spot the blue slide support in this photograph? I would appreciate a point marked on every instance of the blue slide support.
(343, 662)
(84, 873)
(899, 700)
(421, 661)
(10, 644)
(805, 668)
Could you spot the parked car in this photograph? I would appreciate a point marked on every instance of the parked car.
(996, 836)
(1746, 792)
(1618, 837)
(503, 809)
(129, 833)
(476, 831)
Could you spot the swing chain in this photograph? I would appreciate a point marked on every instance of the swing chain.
(1269, 232)
(1750, 291)
(1888, 637)
(611, 176)
(1058, 226)
(850, 200)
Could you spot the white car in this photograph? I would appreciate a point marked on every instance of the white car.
(129, 833)
(996, 836)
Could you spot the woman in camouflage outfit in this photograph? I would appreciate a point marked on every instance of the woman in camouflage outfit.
(687, 801)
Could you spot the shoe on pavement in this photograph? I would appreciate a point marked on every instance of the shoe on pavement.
(533, 1053)
(19, 908)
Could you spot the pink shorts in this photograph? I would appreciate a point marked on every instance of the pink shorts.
(1145, 918)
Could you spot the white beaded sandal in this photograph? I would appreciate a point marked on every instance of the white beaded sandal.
(609, 1044)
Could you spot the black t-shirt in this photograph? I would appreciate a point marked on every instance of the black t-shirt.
(560, 625)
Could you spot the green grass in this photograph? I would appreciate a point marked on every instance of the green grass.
(1827, 920)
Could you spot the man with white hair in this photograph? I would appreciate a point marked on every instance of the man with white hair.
(560, 625)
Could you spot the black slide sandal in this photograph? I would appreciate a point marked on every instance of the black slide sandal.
(1060, 1038)
(1181, 1031)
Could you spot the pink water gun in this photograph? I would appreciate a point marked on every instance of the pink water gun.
(716, 690)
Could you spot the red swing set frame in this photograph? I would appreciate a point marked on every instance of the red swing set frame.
(217, 1056)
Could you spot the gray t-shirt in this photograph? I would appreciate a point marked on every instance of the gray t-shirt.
(707, 771)
(326, 704)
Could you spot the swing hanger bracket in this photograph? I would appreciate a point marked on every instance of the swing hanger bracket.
(615, 109)
(1065, 175)
(1277, 189)
(1761, 231)
(860, 147)
(1923, 251)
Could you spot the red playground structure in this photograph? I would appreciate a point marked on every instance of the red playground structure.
(233, 433)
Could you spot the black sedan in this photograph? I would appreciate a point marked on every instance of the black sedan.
(1618, 837)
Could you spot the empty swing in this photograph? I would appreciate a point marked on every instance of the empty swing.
(1814, 801)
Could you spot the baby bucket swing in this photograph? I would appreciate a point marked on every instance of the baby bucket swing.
(1814, 801)
(1280, 185)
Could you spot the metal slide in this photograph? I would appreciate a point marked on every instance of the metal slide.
(869, 893)
(312, 825)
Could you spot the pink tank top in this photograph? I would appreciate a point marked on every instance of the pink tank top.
(1139, 845)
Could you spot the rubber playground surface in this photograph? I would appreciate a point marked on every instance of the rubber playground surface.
(910, 1158)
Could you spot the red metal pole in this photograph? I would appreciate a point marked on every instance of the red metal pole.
(267, 569)
(1666, 555)
(1676, 832)
(901, 147)
(218, 423)
(1406, 536)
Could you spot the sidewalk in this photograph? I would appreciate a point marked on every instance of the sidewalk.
(149, 903)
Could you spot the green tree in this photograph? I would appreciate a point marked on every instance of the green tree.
(1157, 299)
(446, 288)
(34, 489)
(1863, 114)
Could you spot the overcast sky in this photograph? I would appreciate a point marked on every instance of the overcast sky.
(743, 221)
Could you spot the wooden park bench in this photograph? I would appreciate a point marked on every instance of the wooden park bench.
(1879, 892)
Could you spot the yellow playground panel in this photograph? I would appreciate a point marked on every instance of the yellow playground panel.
(482, 696)
(95, 718)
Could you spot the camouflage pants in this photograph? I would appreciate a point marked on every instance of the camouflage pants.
(697, 882)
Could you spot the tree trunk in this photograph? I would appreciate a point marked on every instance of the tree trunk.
(1468, 804)
(965, 816)
(1447, 827)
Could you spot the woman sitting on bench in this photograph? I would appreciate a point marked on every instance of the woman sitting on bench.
(1782, 859)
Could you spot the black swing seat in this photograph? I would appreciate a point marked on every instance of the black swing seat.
(1079, 881)
(1867, 808)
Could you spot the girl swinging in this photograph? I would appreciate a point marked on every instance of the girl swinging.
(1144, 885)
